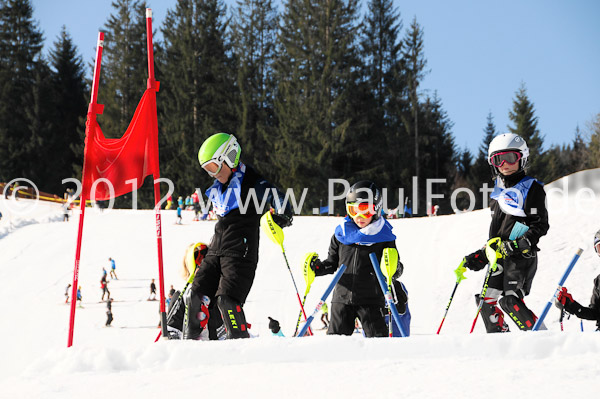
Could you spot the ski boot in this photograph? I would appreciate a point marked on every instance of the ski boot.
(233, 317)
(493, 318)
(196, 315)
(518, 312)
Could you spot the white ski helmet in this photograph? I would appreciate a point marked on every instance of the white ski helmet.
(508, 142)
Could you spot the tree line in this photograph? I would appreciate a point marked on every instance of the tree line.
(316, 90)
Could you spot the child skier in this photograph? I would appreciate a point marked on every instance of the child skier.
(227, 272)
(358, 294)
(192, 259)
(565, 300)
(518, 203)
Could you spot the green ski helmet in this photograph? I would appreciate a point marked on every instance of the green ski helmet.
(219, 148)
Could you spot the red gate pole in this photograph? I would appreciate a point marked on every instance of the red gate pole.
(93, 109)
(155, 85)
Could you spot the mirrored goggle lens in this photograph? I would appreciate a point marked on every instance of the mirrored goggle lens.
(510, 157)
(363, 209)
(597, 247)
(212, 168)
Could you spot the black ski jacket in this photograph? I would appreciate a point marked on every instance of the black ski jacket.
(358, 285)
(593, 311)
(236, 233)
(535, 210)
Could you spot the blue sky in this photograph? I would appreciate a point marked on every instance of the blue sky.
(478, 53)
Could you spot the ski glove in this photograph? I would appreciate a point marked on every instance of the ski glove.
(565, 301)
(282, 220)
(320, 268)
(520, 247)
(476, 261)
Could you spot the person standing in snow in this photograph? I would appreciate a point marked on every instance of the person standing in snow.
(104, 287)
(227, 272)
(179, 219)
(79, 297)
(358, 294)
(109, 314)
(565, 299)
(113, 269)
(516, 201)
(67, 293)
(152, 296)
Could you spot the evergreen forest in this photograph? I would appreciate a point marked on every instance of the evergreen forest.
(313, 90)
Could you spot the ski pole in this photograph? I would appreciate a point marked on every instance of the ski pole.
(460, 276)
(386, 293)
(389, 265)
(493, 263)
(539, 321)
(336, 278)
(275, 233)
(309, 277)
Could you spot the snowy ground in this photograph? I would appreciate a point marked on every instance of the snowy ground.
(36, 263)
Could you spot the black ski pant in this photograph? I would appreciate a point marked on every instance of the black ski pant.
(371, 317)
(514, 275)
(221, 275)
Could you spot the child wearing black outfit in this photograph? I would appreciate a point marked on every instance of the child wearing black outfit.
(565, 299)
(519, 218)
(358, 294)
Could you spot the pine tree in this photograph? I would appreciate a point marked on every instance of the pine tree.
(525, 125)
(594, 144)
(579, 154)
(198, 92)
(254, 40)
(438, 149)
(385, 78)
(21, 67)
(69, 92)
(124, 66)
(415, 63)
(317, 75)
(481, 173)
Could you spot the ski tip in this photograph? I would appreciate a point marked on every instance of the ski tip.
(579, 252)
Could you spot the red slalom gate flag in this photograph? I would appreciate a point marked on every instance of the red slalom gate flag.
(111, 164)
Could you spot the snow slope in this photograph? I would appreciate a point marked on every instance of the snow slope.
(36, 263)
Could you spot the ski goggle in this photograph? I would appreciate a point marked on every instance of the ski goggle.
(362, 209)
(509, 157)
(597, 246)
(212, 168)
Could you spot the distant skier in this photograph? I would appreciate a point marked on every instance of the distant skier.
(358, 294)
(79, 297)
(152, 296)
(104, 287)
(179, 219)
(109, 314)
(565, 299)
(66, 211)
(113, 269)
(227, 272)
(67, 293)
(516, 198)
